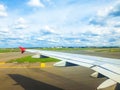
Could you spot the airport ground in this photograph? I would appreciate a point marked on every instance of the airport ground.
(30, 76)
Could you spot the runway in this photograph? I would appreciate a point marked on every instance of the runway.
(27, 76)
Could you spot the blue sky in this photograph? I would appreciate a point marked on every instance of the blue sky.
(44, 23)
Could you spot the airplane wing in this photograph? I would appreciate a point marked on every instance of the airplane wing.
(104, 67)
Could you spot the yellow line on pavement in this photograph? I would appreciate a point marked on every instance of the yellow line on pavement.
(42, 65)
(1, 63)
(23, 67)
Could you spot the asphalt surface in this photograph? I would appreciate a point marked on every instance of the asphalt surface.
(27, 76)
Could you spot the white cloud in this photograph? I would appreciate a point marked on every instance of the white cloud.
(105, 11)
(21, 23)
(53, 40)
(49, 29)
(107, 22)
(77, 41)
(21, 20)
(111, 10)
(3, 12)
(62, 26)
(35, 3)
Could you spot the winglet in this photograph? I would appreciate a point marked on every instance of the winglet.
(22, 49)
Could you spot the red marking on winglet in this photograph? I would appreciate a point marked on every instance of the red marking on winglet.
(22, 49)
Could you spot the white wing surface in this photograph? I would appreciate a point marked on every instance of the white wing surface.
(107, 67)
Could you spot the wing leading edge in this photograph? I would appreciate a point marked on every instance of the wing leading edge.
(106, 66)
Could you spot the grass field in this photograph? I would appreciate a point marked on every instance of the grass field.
(5, 50)
(29, 59)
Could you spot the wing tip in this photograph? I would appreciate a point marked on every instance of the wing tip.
(22, 49)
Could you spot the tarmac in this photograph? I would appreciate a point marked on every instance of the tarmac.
(43, 76)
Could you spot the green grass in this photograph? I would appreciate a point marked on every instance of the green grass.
(5, 50)
(33, 60)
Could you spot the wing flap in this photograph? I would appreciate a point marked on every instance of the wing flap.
(106, 84)
(75, 62)
(108, 72)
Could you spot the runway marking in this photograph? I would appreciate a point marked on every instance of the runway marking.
(25, 67)
(22, 67)
(1, 63)
(19, 67)
(42, 65)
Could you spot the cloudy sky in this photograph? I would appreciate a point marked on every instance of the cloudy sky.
(41, 23)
